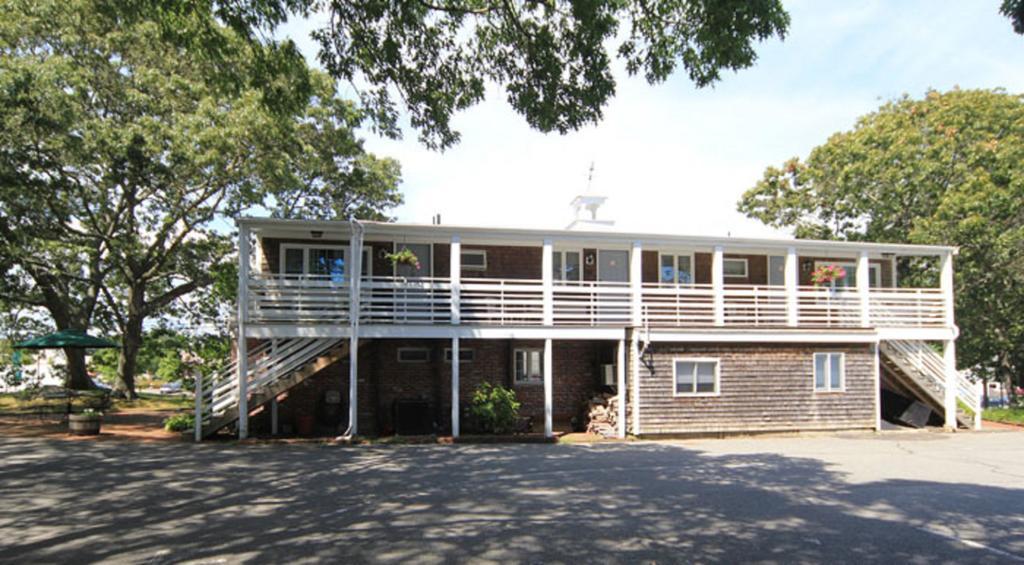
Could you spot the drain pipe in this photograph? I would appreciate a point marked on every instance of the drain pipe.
(355, 278)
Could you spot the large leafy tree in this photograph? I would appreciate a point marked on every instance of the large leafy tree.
(552, 58)
(127, 145)
(942, 169)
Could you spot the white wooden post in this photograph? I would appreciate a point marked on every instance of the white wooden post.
(636, 279)
(548, 429)
(197, 425)
(877, 373)
(949, 360)
(864, 288)
(634, 369)
(718, 284)
(791, 278)
(455, 277)
(455, 387)
(547, 278)
(946, 285)
(243, 317)
(620, 387)
(355, 279)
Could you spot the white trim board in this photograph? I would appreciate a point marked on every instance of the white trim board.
(765, 336)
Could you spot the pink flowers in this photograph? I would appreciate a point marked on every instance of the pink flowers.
(827, 274)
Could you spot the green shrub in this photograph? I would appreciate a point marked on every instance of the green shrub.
(494, 409)
(179, 422)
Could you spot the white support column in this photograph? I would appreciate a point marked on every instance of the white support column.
(636, 279)
(548, 282)
(635, 370)
(620, 387)
(355, 281)
(949, 360)
(946, 285)
(455, 387)
(877, 374)
(197, 425)
(455, 276)
(548, 385)
(353, 385)
(791, 277)
(243, 317)
(864, 288)
(718, 284)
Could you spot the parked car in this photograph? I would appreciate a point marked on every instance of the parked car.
(171, 388)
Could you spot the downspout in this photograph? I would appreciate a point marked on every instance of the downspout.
(356, 275)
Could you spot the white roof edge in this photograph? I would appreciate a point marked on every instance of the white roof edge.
(374, 227)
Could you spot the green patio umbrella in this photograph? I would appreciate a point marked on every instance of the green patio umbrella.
(66, 338)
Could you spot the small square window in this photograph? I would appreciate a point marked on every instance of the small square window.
(529, 365)
(829, 372)
(474, 260)
(696, 377)
(413, 355)
(465, 355)
(735, 268)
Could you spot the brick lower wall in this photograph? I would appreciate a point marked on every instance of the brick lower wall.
(762, 387)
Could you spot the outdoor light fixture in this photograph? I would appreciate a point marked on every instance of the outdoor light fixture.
(317, 234)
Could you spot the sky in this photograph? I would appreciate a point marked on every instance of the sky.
(672, 158)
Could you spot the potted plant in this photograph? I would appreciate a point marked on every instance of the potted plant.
(826, 275)
(85, 423)
(404, 257)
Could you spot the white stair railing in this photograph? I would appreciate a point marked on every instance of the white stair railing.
(269, 361)
(923, 364)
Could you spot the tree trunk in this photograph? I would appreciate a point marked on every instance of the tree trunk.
(77, 377)
(131, 342)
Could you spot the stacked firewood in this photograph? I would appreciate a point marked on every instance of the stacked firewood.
(603, 415)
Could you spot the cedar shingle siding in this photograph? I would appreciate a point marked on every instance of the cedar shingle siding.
(762, 387)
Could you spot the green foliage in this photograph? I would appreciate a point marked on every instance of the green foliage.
(1010, 415)
(180, 422)
(944, 169)
(494, 408)
(1014, 9)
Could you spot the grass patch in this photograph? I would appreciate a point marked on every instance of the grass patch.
(1005, 415)
(11, 403)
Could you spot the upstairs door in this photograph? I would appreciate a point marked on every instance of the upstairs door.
(612, 265)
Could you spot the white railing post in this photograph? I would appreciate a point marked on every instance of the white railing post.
(548, 385)
(620, 387)
(864, 288)
(791, 279)
(455, 387)
(355, 278)
(718, 284)
(949, 360)
(455, 278)
(946, 285)
(547, 278)
(197, 425)
(636, 279)
(634, 369)
(243, 317)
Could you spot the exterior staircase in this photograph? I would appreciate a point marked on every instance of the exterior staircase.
(275, 366)
(919, 369)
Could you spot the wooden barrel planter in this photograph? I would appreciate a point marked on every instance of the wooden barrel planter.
(84, 424)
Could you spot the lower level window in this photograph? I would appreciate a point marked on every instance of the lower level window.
(828, 372)
(696, 376)
(413, 355)
(529, 365)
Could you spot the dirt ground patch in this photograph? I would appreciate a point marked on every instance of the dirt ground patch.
(141, 425)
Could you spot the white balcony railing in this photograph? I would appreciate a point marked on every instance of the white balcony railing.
(520, 302)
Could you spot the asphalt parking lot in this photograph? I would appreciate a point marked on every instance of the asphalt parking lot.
(894, 497)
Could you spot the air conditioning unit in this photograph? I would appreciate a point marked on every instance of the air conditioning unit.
(608, 375)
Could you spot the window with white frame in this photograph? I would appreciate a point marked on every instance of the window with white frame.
(319, 260)
(676, 268)
(829, 372)
(734, 268)
(695, 376)
(465, 355)
(565, 265)
(413, 355)
(529, 365)
(850, 280)
(474, 259)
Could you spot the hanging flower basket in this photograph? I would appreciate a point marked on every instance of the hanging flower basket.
(827, 274)
(404, 257)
